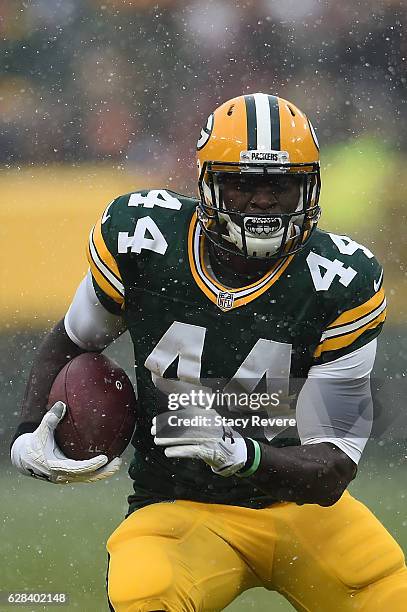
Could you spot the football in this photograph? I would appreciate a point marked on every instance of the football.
(101, 407)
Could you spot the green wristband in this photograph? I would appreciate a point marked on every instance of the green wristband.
(256, 461)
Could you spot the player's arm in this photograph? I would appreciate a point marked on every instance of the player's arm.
(87, 326)
(52, 355)
(92, 322)
(334, 419)
(315, 474)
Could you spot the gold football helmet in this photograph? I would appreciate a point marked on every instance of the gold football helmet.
(254, 135)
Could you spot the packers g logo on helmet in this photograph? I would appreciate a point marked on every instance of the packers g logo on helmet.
(251, 135)
(205, 133)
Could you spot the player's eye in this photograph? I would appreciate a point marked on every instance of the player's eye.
(277, 186)
(243, 186)
(286, 183)
(239, 185)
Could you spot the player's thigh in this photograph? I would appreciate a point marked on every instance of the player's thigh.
(166, 556)
(329, 558)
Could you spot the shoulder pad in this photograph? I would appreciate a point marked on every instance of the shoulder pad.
(135, 222)
(141, 222)
(341, 267)
(349, 280)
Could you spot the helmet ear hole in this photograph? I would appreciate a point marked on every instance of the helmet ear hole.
(291, 110)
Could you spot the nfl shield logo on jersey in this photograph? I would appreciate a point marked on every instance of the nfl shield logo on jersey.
(225, 300)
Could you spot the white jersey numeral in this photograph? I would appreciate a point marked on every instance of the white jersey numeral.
(146, 236)
(185, 342)
(267, 358)
(272, 360)
(333, 269)
(155, 197)
(347, 246)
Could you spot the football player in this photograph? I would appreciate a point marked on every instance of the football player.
(237, 286)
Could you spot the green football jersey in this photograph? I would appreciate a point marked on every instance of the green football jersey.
(149, 262)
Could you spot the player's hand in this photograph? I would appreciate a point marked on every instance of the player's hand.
(223, 448)
(37, 454)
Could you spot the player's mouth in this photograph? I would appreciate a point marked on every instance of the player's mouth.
(263, 226)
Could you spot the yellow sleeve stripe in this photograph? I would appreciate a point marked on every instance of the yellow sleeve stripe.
(342, 330)
(103, 267)
(342, 341)
(103, 252)
(364, 309)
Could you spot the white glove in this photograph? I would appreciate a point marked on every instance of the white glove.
(221, 447)
(37, 454)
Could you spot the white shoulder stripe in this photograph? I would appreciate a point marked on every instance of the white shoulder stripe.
(103, 269)
(350, 327)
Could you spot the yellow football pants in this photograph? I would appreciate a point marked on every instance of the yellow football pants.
(193, 557)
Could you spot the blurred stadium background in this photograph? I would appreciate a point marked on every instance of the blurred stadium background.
(102, 97)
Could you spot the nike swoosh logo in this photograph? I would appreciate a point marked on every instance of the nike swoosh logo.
(376, 284)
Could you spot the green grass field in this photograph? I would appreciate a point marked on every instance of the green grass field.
(52, 537)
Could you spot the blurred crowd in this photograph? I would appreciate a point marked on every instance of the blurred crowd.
(133, 81)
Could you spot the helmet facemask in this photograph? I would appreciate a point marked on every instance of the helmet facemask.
(260, 237)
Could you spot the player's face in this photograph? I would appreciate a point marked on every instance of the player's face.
(274, 194)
